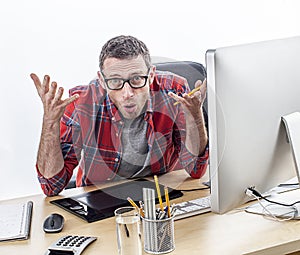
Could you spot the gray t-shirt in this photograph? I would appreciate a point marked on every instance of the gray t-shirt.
(135, 160)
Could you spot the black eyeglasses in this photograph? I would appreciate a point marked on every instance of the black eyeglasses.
(134, 82)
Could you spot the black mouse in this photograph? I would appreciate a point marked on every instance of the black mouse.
(54, 223)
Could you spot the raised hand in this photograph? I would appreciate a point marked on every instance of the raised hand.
(51, 97)
(192, 106)
(193, 101)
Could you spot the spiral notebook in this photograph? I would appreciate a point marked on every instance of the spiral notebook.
(15, 221)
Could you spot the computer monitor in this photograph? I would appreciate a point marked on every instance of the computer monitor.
(249, 88)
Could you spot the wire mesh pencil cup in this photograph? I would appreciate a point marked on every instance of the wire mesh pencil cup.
(158, 235)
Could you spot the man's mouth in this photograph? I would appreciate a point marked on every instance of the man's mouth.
(130, 107)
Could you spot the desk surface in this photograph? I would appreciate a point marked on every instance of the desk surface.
(236, 232)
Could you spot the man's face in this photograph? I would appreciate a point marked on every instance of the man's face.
(129, 101)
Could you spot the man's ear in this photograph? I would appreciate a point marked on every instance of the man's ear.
(101, 79)
(152, 73)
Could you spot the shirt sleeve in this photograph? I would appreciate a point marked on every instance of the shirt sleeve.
(54, 185)
(195, 166)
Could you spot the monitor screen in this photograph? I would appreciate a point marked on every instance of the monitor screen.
(249, 88)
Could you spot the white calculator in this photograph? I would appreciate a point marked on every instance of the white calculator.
(70, 245)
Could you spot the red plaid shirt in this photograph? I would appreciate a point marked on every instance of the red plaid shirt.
(91, 130)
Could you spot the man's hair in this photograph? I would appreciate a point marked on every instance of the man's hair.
(124, 47)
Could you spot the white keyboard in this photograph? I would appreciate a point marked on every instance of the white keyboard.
(192, 207)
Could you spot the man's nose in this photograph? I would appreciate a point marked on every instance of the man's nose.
(127, 90)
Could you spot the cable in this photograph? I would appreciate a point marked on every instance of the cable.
(287, 184)
(187, 190)
(266, 212)
(283, 217)
(207, 186)
(252, 192)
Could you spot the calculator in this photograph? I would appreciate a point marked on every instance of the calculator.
(70, 245)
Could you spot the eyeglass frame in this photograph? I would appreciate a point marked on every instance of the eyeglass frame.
(127, 80)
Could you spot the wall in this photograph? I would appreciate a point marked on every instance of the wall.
(63, 39)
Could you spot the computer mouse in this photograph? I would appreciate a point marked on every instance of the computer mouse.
(54, 223)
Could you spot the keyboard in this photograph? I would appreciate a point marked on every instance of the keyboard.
(192, 207)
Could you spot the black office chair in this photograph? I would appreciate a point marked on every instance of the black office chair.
(192, 71)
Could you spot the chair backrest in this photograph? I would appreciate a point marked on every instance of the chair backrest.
(192, 71)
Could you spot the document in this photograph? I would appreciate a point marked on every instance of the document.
(15, 221)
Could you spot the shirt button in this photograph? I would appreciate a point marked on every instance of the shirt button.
(116, 159)
(113, 118)
(117, 134)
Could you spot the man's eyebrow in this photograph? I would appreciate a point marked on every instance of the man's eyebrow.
(139, 72)
(114, 75)
(117, 75)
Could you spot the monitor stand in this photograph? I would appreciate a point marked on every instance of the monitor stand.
(292, 126)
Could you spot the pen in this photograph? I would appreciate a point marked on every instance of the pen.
(158, 193)
(162, 215)
(190, 93)
(142, 209)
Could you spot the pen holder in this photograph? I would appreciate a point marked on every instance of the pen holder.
(159, 235)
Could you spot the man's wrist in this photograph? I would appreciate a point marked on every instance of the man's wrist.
(49, 124)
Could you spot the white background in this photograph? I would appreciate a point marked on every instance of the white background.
(63, 38)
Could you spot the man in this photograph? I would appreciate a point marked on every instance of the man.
(124, 124)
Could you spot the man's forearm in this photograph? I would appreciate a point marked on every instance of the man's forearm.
(50, 159)
(196, 135)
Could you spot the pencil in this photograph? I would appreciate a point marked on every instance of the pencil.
(139, 209)
(133, 203)
(167, 201)
(190, 93)
(158, 193)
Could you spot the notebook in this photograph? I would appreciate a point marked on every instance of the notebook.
(15, 221)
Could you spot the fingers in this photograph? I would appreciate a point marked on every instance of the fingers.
(203, 88)
(184, 99)
(69, 100)
(201, 84)
(41, 87)
(45, 84)
(50, 94)
(177, 98)
(36, 82)
(57, 96)
(194, 97)
(51, 91)
(198, 83)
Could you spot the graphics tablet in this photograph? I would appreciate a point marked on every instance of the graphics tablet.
(101, 204)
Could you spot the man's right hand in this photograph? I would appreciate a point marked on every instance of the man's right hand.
(50, 159)
(51, 97)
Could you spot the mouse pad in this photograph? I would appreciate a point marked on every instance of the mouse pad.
(101, 204)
